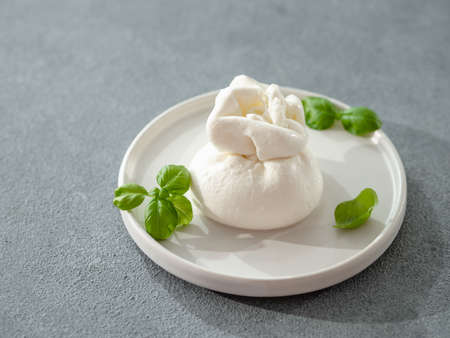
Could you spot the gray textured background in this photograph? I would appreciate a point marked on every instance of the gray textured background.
(79, 79)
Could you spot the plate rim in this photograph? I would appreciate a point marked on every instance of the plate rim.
(202, 276)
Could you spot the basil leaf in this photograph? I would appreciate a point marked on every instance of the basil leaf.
(360, 120)
(129, 196)
(164, 194)
(352, 214)
(154, 193)
(320, 113)
(160, 218)
(174, 178)
(183, 207)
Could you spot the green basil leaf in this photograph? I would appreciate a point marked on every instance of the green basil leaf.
(360, 120)
(164, 194)
(183, 207)
(160, 218)
(352, 214)
(174, 178)
(320, 113)
(129, 196)
(154, 193)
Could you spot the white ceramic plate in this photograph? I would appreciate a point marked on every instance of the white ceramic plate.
(308, 256)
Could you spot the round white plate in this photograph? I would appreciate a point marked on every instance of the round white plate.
(307, 256)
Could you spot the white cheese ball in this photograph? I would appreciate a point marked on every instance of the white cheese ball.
(244, 192)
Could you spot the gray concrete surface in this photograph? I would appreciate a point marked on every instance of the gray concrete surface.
(79, 79)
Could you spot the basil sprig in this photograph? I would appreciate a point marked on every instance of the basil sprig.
(168, 208)
(352, 214)
(320, 114)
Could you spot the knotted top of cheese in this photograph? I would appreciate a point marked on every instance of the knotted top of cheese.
(256, 120)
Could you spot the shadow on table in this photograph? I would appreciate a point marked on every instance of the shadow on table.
(397, 286)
